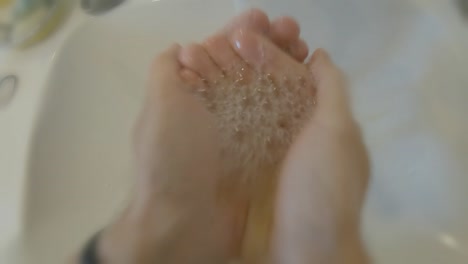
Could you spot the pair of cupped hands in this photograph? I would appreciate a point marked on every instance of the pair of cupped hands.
(174, 217)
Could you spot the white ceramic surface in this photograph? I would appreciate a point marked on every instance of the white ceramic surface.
(408, 87)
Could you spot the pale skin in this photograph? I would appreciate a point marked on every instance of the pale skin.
(174, 217)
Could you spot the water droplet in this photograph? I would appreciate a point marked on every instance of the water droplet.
(269, 78)
(276, 92)
(245, 103)
(271, 146)
(302, 81)
(239, 136)
(267, 106)
(283, 124)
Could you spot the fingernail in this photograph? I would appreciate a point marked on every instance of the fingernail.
(237, 36)
(246, 45)
(238, 44)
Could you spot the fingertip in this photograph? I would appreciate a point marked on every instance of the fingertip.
(323, 57)
(301, 50)
(257, 12)
(175, 47)
(168, 58)
(320, 65)
(285, 29)
(254, 19)
(172, 52)
(319, 56)
(331, 84)
(261, 19)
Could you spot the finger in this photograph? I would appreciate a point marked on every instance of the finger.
(299, 50)
(225, 57)
(196, 57)
(283, 30)
(191, 77)
(166, 63)
(178, 164)
(331, 85)
(253, 19)
(262, 55)
(168, 79)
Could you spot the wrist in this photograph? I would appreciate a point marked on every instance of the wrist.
(352, 250)
(163, 233)
(140, 235)
(350, 247)
(123, 242)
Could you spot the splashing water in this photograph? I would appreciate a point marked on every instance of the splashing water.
(258, 118)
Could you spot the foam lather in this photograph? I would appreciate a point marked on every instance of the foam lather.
(257, 119)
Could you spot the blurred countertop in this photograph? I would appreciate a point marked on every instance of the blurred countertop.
(32, 67)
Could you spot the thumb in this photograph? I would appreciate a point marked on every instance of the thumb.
(166, 63)
(331, 85)
(165, 76)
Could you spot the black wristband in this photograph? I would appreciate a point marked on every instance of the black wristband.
(89, 254)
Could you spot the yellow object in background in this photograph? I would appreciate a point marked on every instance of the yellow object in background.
(26, 31)
(4, 3)
(31, 21)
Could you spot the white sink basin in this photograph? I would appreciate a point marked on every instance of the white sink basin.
(80, 162)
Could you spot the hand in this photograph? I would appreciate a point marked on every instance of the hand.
(177, 170)
(324, 180)
(321, 191)
(173, 217)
